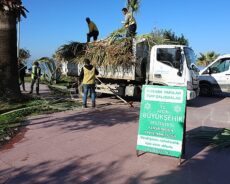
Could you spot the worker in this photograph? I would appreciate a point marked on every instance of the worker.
(87, 76)
(22, 74)
(35, 76)
(93, 30)
(129, 23)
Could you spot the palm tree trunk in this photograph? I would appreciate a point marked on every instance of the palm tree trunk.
(9, 84)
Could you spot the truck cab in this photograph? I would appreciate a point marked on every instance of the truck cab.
(215, 78)
(174, 65)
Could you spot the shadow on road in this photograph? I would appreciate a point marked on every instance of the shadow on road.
(193, 145)
(89, 119)
(203, 101)
(202, 165)
(68, 171)
(209, 167)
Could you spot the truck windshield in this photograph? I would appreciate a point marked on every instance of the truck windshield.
(190, 56)
(169, 56)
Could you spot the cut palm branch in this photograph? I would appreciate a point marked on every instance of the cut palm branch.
(49, 69)
(13, 118)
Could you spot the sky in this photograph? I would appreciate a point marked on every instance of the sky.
(52, 23)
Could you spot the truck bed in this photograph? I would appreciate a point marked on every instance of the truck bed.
(124, 73)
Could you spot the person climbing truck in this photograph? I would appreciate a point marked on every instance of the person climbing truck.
(93, 30)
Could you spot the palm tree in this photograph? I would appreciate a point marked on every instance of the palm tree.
(170, 35)
(133, 5)
(206, 58)
(10, 12)
(23, 55)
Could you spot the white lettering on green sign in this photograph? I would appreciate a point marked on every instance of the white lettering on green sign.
(164, 95)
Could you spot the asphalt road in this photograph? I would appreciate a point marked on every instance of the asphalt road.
(97, 146)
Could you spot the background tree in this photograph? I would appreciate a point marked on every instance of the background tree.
(161, 36)
(10, 12)
(170, 35)
(206, 58)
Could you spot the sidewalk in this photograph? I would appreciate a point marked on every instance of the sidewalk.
(44, 90)
(97, 146)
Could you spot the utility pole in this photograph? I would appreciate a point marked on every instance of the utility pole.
(18, 37)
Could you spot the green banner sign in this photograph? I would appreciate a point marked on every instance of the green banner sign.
(161, 122)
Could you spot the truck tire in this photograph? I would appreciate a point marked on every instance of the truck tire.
(205, 89)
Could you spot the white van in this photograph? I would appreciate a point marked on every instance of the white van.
(215, 78)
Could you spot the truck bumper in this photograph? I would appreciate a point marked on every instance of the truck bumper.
(191, 94)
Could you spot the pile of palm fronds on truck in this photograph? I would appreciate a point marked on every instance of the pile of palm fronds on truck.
(101, 53)
(114, 50)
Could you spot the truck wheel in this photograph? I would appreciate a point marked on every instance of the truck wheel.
(205, 90)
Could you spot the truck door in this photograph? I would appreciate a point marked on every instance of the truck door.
(220, 72)
(167, 65)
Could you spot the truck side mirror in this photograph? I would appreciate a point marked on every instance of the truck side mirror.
(178, 55)
(209, 71)
(180, 69)
(179, 58)
(179, 73)
(194, 67)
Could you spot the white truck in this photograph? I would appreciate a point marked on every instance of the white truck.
(171, 65)
(215, 78)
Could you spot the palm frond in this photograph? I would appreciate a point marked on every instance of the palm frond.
(24, 54)
(133, 5)
(206, 58)
(69, 51)
(118, 34)
(48, 68)
(14, 6)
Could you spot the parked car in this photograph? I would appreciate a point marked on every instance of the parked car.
(215, 78)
